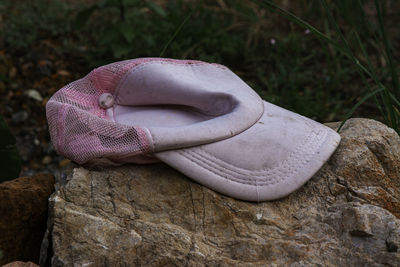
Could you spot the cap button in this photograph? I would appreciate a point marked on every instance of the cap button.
(106, 100)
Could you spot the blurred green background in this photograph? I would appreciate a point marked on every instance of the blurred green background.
(46, 44)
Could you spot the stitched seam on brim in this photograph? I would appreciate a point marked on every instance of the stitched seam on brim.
(302, 158)
(302, 147)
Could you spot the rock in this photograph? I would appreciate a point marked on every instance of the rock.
(34, 94)
(25, 147)
(20, 116)
(348, 214)
(46, 160)
(23, 209)
(20, 264)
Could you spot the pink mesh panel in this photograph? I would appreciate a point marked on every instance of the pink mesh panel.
(81, 131)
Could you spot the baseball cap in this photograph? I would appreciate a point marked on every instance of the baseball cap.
(200, 118)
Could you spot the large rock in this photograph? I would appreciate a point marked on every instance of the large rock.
(20, 264)
(346, 215)
(23, 215)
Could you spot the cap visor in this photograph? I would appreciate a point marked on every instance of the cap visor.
(268, 161)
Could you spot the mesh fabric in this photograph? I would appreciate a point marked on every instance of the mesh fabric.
(81, 130)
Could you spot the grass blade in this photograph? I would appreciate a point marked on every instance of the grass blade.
(373, 73)
(175, 34)
(333, 21)
(392, 119)
(388, 50)
(397, 102)
(365, 98)
(293, 18)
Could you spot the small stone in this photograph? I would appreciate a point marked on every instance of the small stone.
(20, 116)
(63, 73)
(64, 163)
(46, 160)
(25, 149)
(12, 73)
(45, 67)
(32, 93)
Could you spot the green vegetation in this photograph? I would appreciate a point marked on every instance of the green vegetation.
(26, 22)
(323, 74)
(388, 103)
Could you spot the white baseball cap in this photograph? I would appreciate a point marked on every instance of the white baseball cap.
(197, 117)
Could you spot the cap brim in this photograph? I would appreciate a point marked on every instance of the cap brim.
(268, 161)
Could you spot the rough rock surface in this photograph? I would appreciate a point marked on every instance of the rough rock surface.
(23, 215)
(348, 214)
(20, 264)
